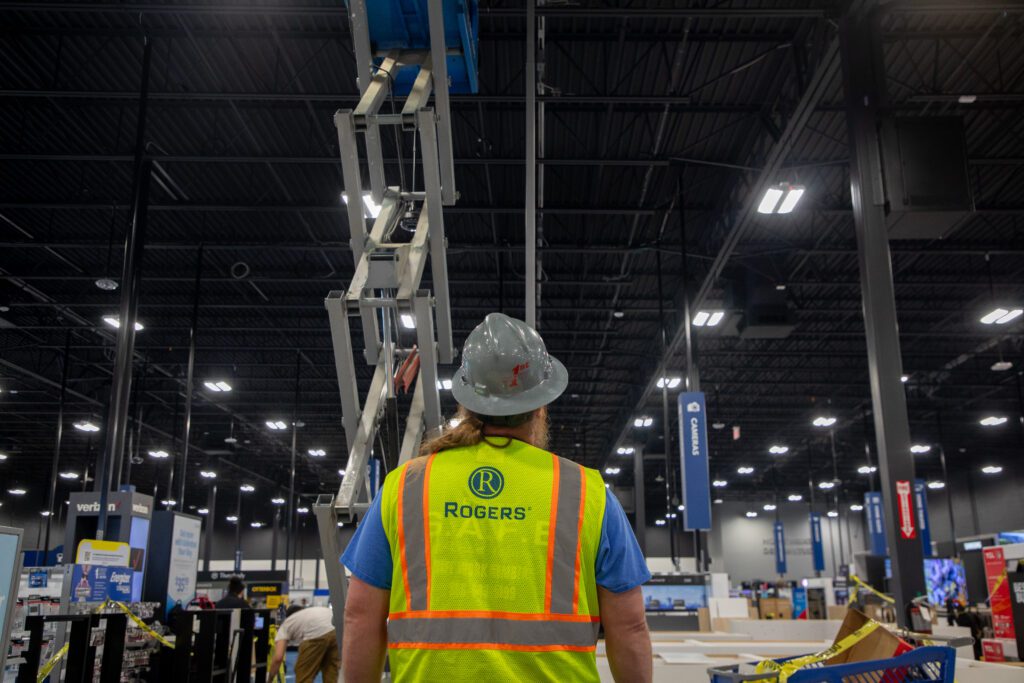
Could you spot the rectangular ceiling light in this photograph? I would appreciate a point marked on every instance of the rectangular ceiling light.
(781, 198)
(370, 207)
(1001, 316)
(408, 322)
(770, 200)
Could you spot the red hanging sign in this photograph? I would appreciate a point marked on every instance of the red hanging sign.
(998, 592)
(905, 505)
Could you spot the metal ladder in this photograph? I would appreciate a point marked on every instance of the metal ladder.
(385, 289)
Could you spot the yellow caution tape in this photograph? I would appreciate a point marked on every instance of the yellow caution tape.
(45, 670)
(858, 584)
(279, 674)
(143, 626)
(48, 667)
(787, 669)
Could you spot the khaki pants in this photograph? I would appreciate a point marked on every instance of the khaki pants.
(319, 654)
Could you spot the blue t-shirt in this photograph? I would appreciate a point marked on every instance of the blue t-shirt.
(620, 564)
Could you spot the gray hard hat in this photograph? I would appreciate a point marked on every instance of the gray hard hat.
(506, 369)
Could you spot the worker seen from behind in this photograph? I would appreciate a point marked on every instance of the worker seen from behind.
(488, 558)
(312, 629)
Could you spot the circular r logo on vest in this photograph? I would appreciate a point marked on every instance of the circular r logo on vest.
(486, 482)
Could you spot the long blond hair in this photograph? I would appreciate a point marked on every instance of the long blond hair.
(469, 431)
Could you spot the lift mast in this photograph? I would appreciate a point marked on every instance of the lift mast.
(403, 57)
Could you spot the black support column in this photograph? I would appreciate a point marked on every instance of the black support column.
(864, 84)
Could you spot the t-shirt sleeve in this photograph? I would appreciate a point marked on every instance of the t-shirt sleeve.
(368, 555)
(621, 565)
(284, 631)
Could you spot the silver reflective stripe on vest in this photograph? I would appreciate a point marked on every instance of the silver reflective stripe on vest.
(459, 630)
(563, 570)
(415, 546)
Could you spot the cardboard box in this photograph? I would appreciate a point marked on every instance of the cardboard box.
(879, 644)
(704, 619)
(776, 608)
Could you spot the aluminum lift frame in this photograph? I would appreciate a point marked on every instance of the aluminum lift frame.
(385, 286)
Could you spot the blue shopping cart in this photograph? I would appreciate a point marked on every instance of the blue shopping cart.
(927, 663)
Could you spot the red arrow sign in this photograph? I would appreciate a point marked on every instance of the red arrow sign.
(906, 509)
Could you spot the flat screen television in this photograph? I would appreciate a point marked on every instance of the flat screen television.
(675, 593)
(945, 579)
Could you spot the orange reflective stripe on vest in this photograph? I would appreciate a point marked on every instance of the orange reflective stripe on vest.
(414, 532)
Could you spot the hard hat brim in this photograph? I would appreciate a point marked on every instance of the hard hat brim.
(530, 400)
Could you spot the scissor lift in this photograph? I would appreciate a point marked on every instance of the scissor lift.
(407, 49)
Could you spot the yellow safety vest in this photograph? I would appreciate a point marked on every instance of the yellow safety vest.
(494, 553)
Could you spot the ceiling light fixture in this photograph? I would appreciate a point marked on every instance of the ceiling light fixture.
(659, 522)
(778, 450)
(824, 421)
(408, 322)
(231, 518)
(618, 315)
(992, 421)
(671, 382)
(795, 498)
(217, 386)
(159, 455)
(904, 378)
(936, 485)
(246, 488)
(718, 501)
(781, 198)
(277, 501)
(919, 448)
(341, 473)
(643, 421)
(69, 475)
(17, 492)
(967, 99)
(202, 511)
(370, 207)
(832, 513)
(708, 318)
(719, 483)
(1001, 316)
(626, 450)
(856, 507)
(992, 469)
(302, 511)
(317, 452)
(255, 525)
(276, 425)
(751, 514)
(86, 426)
(826, 485)
(867, 469)
(768, 507)
(207, 474)
(612, 470)
(445, 384)
(744, 470)
(115, 323)
(1002, 366)
(169, 502)
(106, 284)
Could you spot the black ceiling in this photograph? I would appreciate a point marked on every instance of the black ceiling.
(658, 116)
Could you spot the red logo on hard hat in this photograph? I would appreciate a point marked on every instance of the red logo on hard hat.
(515, 373)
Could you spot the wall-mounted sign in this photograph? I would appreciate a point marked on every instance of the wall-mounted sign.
(106, 553)
(905, 508)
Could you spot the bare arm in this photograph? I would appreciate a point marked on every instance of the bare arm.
(280, 648)
(366, 632)
(628, 644)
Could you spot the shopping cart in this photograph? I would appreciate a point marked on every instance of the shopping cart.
(926, 663)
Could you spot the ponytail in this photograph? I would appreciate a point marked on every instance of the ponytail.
(468, 432)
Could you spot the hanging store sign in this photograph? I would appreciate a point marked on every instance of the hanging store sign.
(817, 546)
(693, 454)
(874, 510)
(780, 549)
(905, 508)
(921, 501)
(998, 592)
